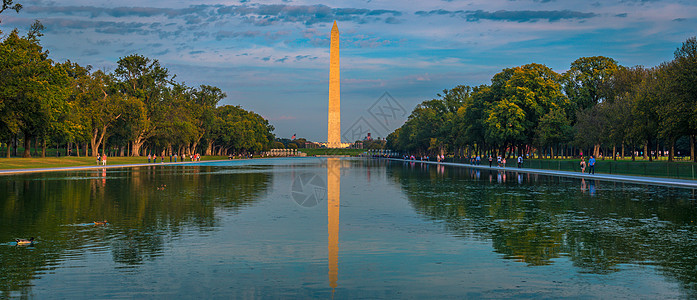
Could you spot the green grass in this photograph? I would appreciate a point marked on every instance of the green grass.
(72, 161)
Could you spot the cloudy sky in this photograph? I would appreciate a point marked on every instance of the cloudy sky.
(272, 57)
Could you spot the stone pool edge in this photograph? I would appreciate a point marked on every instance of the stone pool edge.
(598, 176)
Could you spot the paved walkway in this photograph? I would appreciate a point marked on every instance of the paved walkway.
(597, 176)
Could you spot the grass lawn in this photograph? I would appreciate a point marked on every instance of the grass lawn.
(72, 161)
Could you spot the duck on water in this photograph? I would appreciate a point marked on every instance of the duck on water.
(23, 242)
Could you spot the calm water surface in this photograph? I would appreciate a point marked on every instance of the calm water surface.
(350, 228)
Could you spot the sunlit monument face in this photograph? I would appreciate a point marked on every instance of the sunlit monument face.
(334, 115)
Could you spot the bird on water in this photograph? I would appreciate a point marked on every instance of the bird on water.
(25, 242)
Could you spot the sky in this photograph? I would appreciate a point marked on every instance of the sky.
(272, 57)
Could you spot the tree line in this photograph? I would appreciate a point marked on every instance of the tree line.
(137, 109)
(597, 105)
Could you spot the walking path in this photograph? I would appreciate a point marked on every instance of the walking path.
(598, 176)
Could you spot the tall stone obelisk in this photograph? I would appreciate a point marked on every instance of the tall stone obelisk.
(334, 116)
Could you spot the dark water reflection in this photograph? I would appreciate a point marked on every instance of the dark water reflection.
(600, 226)
(234, 230)
(145, 207)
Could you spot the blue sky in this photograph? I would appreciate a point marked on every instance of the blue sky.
(272, 57)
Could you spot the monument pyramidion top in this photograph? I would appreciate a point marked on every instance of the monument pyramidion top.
(335, 28)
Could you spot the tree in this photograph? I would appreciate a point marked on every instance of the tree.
(206, 98)
(468, 122)
(529, 92)
(97, 101)
(144, 80)
(645, 112)
(242, 131)
(617, 111)
(34, 90)
(586, 79)
(505, 124)
(586, 84)
(684, 85)
(672, 113)
(554, 128)
(9, 4)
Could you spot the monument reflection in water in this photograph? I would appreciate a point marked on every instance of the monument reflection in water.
(333, 205)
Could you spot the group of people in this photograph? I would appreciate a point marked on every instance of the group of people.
(501, 161)
(101, 159)
(474, 160)
(422, 158)
(173, 158)
(590, 164)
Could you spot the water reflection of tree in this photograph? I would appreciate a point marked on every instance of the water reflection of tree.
(539, 218)
(142, 215)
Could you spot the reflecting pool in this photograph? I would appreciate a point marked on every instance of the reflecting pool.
(343, 228)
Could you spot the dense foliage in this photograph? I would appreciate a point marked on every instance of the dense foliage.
(138, 109)
(597, 106)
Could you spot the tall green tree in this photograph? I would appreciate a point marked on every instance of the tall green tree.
(34, 88)
(585, 81)
(586, 84)
(505, 124)
(683, 104)
(646, 116)
(554, 129)
(97, 102)
(528, 92)
(143, 80)
(469, 119)
(205, 99)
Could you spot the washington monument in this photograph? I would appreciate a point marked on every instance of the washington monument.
(334, 121)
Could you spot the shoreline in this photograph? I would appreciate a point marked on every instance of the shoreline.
(95, 167)
(685, 183)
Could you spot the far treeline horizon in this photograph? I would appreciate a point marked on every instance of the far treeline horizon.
(598, 107)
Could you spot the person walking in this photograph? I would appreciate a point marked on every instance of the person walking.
(591, 164)
(520, 161)
(149, 157)
(498, 160)
(583, 165)
(99, 159)
(503, 162)
(104, 160)
(491, 159)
